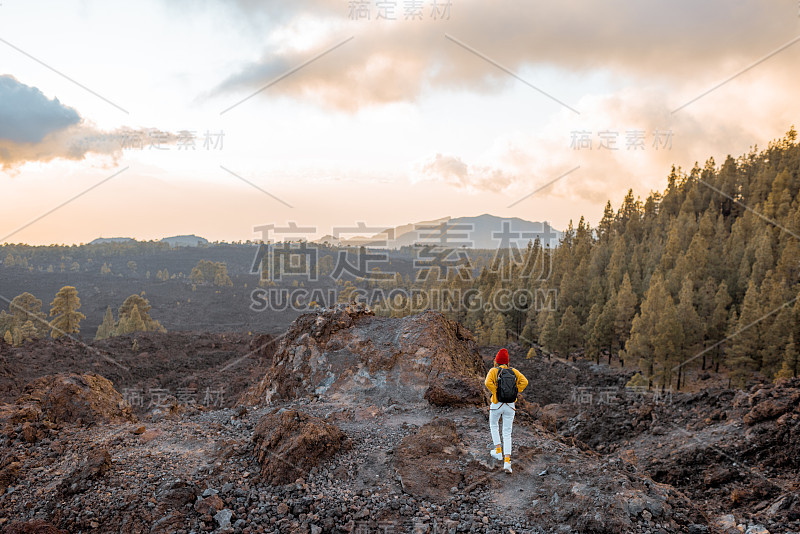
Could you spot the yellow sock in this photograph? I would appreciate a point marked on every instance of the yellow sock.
(499, 449)
(508, 459)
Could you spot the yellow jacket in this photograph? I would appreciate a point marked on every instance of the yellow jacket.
(491, 381)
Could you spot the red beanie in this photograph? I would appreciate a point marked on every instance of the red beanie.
(502, 357)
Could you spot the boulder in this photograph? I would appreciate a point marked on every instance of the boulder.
(289, 443)
(767, 409)
(70, 398)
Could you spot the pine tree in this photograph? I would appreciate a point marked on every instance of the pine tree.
(498, 335)
(143, 307)
(668, 342)
(480, 333)
(8, 338)
(602, 335)
(592, 345)
(745, 343)
(718, 324)
(569, 334)
(26, 307)
(791, 360)
(764, 260)
(624, 311)
(528, 336)
(107, 327)
(222, 279)
(133, 322)
(692, 328)
(65, 308)
(549, 335)
(27, 332)
(6, 321)
(641, 344)
(775, 337)
(606, 225)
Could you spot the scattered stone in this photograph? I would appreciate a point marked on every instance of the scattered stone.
(223, 518)
(204, 506)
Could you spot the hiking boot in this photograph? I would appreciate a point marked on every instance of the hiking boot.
(497, 454)
(507, 465)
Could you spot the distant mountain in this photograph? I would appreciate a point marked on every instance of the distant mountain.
(185, 241)
(375, 239)
(104, 240)
(484, 232)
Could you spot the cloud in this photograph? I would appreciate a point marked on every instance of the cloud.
(518, 164)
(654, 56)
(452, 170)
(34, 128)
(392, 61)
(27, 115)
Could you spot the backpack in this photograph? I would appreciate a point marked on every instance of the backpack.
(506, 385)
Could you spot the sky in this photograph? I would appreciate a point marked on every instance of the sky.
(165, 117)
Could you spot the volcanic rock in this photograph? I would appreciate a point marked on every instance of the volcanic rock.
(289, 443)
(348, 354)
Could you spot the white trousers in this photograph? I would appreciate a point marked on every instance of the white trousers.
(506, 411)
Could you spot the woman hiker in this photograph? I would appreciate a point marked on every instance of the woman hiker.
(504, 383)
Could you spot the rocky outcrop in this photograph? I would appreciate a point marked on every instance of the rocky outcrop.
(289, 443)
(772, 401)
(348, 354)
(70, 398)
(64, 398)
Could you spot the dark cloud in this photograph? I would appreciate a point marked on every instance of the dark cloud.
(36, 128)
(28, 116)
